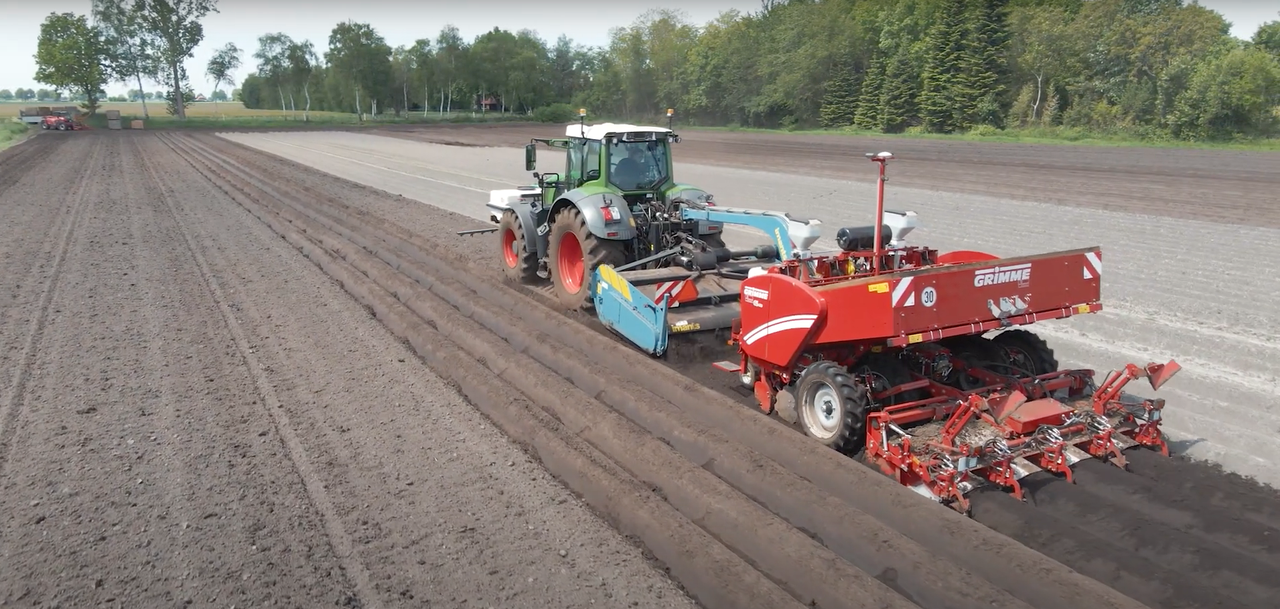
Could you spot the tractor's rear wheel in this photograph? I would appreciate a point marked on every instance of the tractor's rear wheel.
(518, 263)
(832, 407)
(1026, 352)
(575, 253)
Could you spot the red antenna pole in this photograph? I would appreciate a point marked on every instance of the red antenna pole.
(882, 159)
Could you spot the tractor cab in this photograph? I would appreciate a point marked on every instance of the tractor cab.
(629, 160)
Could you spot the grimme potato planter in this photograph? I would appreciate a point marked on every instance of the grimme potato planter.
(882, 348)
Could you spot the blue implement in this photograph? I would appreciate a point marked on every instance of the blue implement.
(624, 309)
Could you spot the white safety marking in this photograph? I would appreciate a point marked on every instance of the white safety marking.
(1087, 274)
(791, 322)
(671, 287)
(901, 288)
(1095, 261)
(911, 300)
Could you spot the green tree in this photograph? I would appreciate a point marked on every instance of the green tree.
(222, 67)
(175, 29)
(361, 58)
(6, 94)
(251, 92)
(989, 42)
(130, 51)
(403, 66)
(273, 62)
(946, 97)
(898, 93)
(867, 112)
(1236, 93)
(301, 60)
(840, 104)
(1268, 37)
(70, 55)
(451, 60)
(178, 100)
(1041, 49)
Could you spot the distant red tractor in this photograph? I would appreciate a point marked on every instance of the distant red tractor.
(60, 121)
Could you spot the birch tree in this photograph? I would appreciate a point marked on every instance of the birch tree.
(174, 26)
(222, 65)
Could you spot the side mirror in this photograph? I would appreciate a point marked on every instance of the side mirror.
(548, 178)
(530, 157)
(594, 174)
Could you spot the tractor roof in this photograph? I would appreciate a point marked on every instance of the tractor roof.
(597, 132)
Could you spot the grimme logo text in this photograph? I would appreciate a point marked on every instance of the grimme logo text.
(1018, 273)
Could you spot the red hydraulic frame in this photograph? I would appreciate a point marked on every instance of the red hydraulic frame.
(1023, 424)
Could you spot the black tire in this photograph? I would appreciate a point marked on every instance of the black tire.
(887, 371)
(977, 352)
(518, 264)
(572, 279)
(1027, 352)
(832, 408)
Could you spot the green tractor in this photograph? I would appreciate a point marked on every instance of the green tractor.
(616, 203)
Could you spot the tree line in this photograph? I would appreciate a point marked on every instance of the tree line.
(1155, 68)
(53, 95)
(1151, 68)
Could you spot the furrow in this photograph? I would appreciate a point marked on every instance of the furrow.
(1027, 575)
(708, 569)
(76, 201)
(866, 543)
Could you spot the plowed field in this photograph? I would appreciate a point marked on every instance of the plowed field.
(234, 379)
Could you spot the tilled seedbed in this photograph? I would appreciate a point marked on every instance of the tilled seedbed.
(1155, 181)
(1145, 533)
(917, 550)
(191, 414)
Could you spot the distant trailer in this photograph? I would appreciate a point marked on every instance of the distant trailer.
(35, 115)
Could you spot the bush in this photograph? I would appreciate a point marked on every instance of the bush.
(555, 113)
(984, 131)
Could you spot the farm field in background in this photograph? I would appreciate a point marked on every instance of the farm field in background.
(157, 110)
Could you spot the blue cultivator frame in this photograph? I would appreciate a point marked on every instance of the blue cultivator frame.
(625, 309)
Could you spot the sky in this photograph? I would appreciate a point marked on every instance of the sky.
(404, 21)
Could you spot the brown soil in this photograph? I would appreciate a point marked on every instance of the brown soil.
(195, 415)
(1233, 187)
(1170, 533)
(327, 434)
(730, 506)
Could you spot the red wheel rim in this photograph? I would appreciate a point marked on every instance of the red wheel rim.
(509, 254)
(570, 263)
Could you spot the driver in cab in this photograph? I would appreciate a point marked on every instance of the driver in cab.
(632, 170)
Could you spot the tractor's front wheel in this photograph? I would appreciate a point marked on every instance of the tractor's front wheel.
(833, 407)
(575, 253)
(519, 262)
